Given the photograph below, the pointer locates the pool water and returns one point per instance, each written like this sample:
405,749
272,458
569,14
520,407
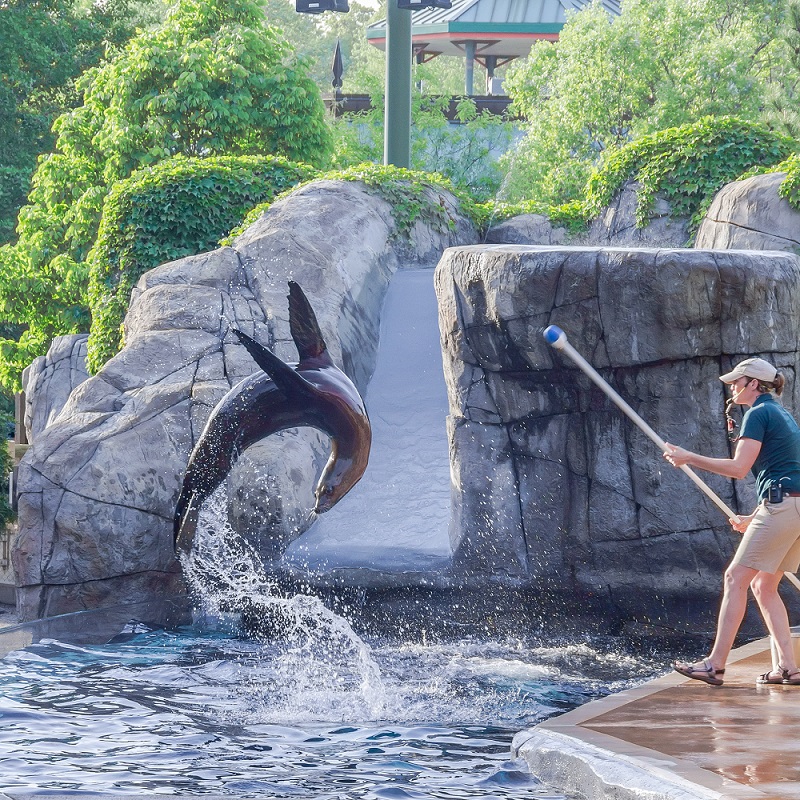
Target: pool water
208,711
298,706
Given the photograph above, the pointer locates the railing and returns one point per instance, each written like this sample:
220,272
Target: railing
339,104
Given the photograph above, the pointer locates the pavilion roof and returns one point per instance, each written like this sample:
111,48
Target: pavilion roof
505,28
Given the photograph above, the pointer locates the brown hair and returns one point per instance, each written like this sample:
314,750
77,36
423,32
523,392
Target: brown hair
775,385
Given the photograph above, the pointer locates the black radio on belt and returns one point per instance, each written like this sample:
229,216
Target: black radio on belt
775,492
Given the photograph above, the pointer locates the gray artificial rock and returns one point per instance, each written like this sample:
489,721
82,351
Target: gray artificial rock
526,229
615,226
99,485
50,379
751,215
590,509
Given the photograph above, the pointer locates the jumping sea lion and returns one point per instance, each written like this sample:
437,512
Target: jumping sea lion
313,393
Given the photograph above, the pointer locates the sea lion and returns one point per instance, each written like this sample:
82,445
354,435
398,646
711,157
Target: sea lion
314,393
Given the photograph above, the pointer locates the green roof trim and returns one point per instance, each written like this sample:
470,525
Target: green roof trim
505,27
474,27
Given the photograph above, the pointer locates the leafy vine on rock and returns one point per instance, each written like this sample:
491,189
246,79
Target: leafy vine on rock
686,165
407,192
177,208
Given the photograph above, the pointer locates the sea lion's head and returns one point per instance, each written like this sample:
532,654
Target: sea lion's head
341,474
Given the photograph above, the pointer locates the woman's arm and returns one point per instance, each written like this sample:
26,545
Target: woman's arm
747,451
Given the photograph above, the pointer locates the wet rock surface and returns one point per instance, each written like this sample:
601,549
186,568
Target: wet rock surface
98,486
555,488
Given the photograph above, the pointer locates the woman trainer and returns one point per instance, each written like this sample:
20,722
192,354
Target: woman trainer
769,445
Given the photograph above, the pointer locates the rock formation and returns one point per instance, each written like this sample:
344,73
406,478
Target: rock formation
527,229
751,215
554,488
49,381
615,226
98,487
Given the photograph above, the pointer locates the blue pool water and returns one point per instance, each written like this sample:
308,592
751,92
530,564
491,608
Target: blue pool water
307,708
208,711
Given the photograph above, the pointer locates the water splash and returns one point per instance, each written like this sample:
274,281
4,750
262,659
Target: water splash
312,665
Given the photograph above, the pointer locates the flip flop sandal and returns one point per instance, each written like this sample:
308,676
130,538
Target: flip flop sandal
792,679
707,674
769,678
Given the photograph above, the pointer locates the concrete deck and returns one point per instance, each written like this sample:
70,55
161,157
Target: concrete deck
677,739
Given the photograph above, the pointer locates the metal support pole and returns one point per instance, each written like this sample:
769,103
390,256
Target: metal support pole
491,65
397,119
469,72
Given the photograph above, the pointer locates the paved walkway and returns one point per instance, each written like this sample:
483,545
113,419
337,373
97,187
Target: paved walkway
677,738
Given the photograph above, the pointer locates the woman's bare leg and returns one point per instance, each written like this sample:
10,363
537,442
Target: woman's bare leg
765,589
731,613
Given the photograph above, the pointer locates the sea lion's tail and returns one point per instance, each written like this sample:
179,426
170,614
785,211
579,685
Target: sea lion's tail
185,522
303,325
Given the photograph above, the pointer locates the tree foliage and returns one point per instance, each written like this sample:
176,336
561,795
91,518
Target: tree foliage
687,165
609,80
783,100
212,79
314,37
44,46
465,153
177,208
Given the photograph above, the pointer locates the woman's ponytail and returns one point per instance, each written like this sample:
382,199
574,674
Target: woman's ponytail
775,385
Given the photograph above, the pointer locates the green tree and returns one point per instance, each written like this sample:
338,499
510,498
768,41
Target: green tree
609,80
44,46
314,37
783,102
212,79
465,153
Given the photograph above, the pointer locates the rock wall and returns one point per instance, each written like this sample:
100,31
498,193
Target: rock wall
751,215
98,486
49,381
615,226
553,487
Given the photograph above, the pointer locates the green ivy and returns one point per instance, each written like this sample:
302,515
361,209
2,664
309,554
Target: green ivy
790,187
177,208
686,165
571,216
405,190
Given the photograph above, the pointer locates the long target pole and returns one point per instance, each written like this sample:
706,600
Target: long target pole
558,339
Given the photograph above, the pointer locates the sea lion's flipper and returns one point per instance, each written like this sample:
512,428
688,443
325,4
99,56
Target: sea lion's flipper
303,324
285,377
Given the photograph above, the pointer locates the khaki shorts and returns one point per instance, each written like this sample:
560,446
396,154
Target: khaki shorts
772,540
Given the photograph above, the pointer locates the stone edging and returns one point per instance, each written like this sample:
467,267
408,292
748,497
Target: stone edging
571,758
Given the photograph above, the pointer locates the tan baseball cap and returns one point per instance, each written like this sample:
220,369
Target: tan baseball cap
752,368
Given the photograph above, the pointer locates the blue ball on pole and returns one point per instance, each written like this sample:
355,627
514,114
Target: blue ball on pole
552,333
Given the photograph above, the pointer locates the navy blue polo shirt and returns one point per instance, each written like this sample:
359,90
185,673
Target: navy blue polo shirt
768,422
